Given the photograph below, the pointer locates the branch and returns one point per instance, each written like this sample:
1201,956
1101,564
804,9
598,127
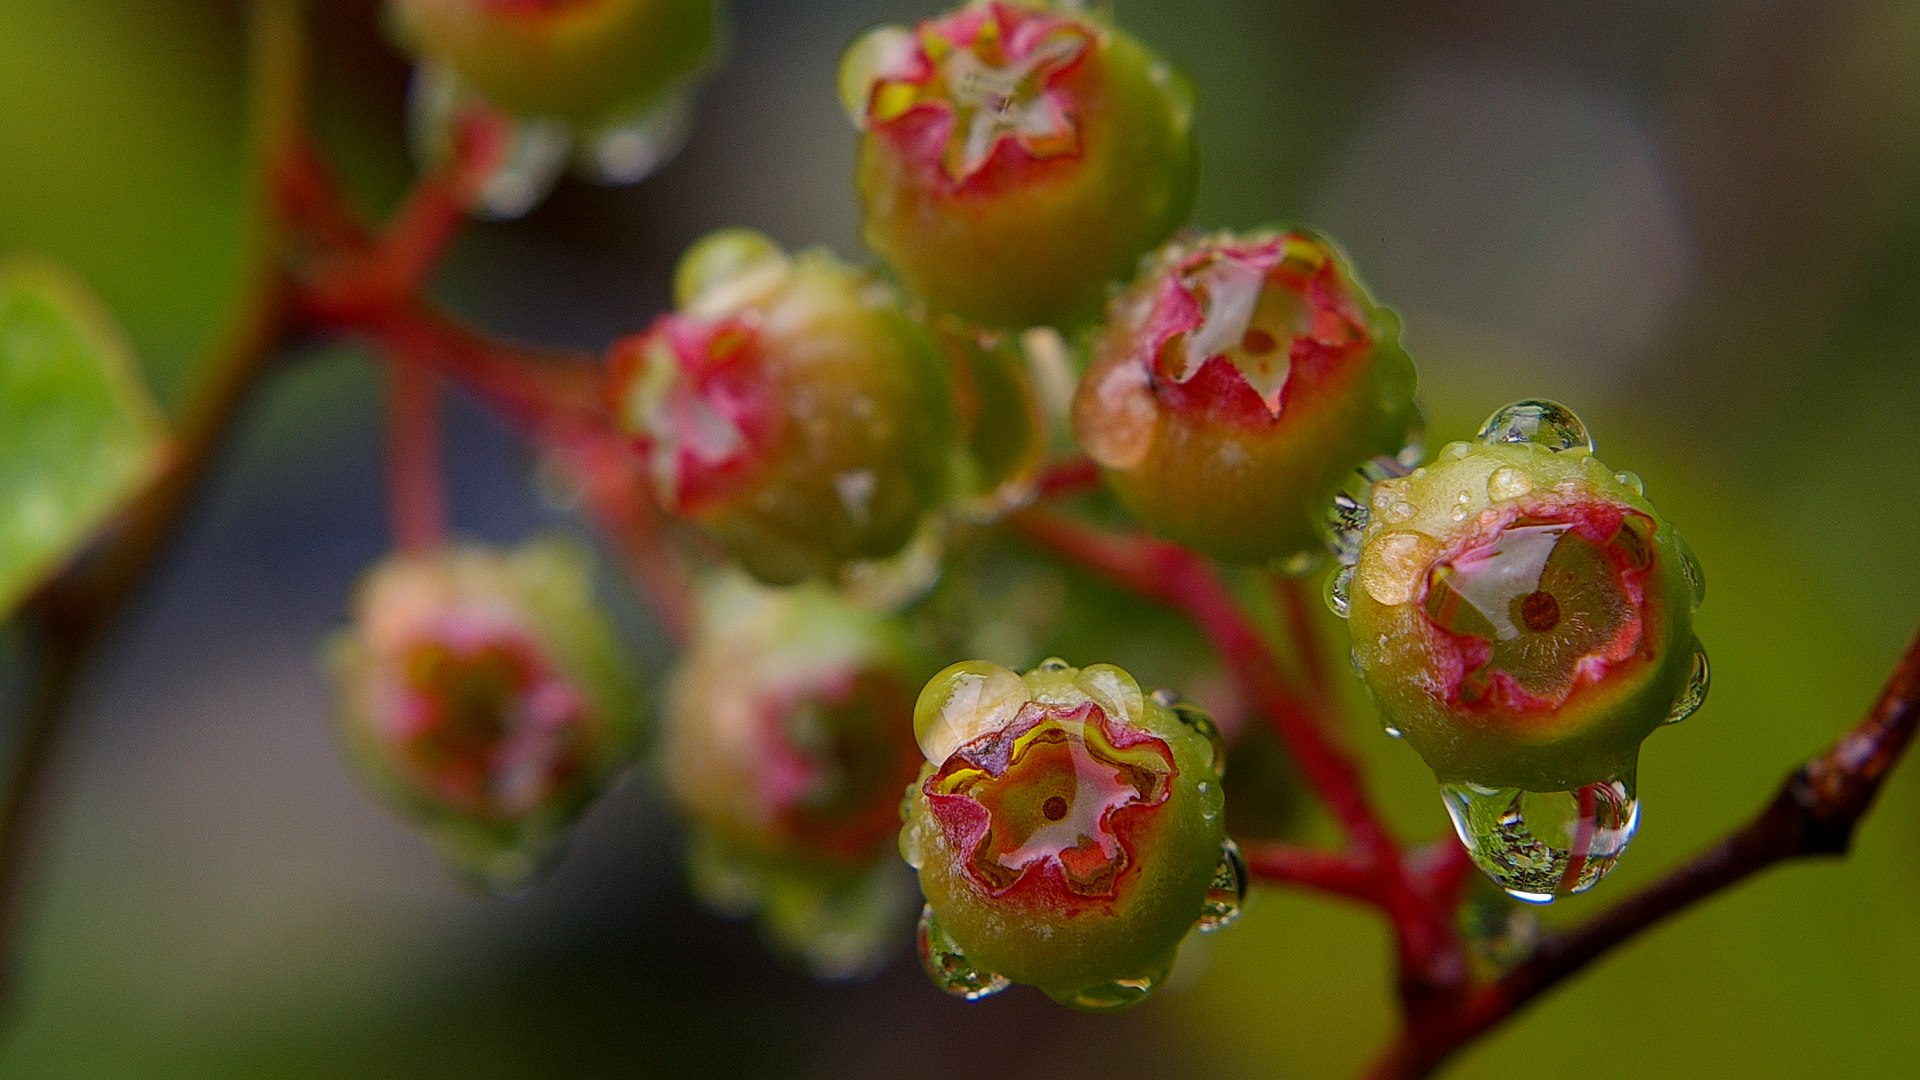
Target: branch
1816,812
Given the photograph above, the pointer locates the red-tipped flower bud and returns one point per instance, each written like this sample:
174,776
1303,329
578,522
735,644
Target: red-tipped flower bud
1524,616
483,693
790,406
1017,158
1237,385
1068,830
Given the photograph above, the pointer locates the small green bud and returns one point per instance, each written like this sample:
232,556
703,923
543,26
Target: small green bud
1236,385
483,693
1068,831
791,406
1016,158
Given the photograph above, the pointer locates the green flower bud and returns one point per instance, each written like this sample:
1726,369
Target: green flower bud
1016,158
1068,831
485,696
788,738
1524,617
1237,385
790,406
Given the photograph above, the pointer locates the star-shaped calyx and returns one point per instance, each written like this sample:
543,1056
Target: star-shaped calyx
1055,795
991,75
1270,309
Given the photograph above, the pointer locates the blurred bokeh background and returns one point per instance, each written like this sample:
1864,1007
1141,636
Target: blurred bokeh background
1698,223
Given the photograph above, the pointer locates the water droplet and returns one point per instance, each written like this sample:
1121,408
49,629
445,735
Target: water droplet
1107,997
1346,525
1199,720
1508,482
1053,663
1340,592
1227,893
949,968
1456,450
628,151
1542,845
1696,577
1698,679
1394,732
1543,423
1631,481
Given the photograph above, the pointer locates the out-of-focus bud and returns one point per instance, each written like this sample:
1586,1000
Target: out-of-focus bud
790,406
486,697
789,735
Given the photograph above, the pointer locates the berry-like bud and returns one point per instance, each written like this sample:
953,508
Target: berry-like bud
483,693
1068,830
1237,385
522,85
1524,617
1017,158
790,406
789,734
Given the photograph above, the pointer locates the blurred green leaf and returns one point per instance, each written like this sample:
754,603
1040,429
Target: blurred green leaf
79,433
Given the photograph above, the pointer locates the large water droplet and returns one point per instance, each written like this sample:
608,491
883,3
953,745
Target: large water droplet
1543,423
1340,592
1227,893
1199,720
1346,527
949,968
1699,676
1541,845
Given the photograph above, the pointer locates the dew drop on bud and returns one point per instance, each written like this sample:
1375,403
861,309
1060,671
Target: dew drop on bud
1339,592
1053,663
1393,732
1227,893
1199,720
1542,845
1698,678
1631,481
1543,423
949,968
1107,997
1696,578
1507,483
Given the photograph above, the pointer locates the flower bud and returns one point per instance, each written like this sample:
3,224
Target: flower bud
790,406
1524,617
1015,158
1235,387
1068,831
484,695
788,739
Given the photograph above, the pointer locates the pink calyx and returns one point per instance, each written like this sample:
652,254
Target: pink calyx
1050,807
983,93
692,393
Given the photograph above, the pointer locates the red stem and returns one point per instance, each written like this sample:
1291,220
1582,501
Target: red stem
1332,872
1297,603
415,484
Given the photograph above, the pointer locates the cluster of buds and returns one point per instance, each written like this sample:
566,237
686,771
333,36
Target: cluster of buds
1016,157
1524,618
791,406
1068,830
483,693
788,738
1237,385
521,86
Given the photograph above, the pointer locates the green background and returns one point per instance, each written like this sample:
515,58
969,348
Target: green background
1695,223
